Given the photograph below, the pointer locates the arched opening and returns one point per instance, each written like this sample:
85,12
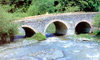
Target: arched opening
56,28
28,31
82,28
24,32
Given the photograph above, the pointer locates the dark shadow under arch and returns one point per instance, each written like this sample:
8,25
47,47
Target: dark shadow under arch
82,28
28,32
60,28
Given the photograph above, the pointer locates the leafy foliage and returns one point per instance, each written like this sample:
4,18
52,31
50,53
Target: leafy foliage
96,32
6,26
37,7
17,5
72,9
41,7
83,5
33,10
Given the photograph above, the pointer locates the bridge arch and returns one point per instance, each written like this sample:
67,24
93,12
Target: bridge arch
60,26
29,31
83,27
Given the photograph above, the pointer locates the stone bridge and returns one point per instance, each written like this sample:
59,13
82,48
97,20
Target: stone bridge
66,23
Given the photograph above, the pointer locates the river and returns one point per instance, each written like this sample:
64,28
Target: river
55,48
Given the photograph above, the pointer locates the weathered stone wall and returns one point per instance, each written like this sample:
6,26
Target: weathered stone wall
40,24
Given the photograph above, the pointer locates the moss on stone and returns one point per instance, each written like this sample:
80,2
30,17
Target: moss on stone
39,37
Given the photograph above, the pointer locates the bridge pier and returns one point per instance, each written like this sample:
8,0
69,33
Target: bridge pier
70,32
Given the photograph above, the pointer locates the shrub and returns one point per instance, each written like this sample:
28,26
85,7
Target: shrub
39,36
7,27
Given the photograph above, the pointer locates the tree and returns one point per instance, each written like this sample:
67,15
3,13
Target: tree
41,7
83,5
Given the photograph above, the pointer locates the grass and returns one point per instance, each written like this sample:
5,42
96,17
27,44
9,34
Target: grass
37,36
89,36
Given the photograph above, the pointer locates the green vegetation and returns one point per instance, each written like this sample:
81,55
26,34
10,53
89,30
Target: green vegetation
20,33
97,24
13,16
96,32
16,9
89,36
97,20
51,28
39,37
38,7
23,8
7,28
77,5
72,9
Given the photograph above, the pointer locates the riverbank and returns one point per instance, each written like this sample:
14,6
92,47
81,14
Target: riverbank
17,44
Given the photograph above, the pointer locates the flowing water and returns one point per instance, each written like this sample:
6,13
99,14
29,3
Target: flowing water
55,48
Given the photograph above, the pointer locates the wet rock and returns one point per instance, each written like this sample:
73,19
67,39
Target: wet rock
25,42
86,39
17,44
